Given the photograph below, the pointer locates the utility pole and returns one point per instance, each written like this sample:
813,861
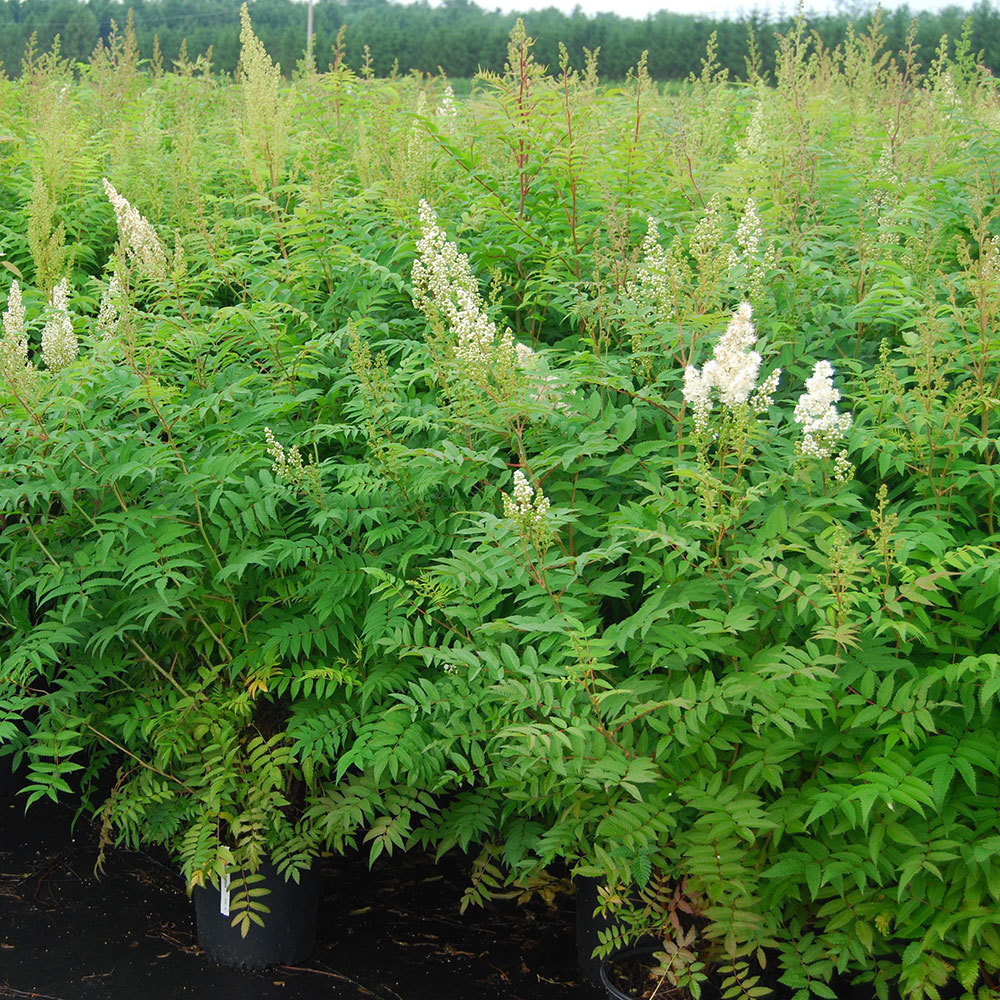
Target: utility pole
309,29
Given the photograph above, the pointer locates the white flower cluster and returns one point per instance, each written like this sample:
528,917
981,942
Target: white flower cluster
707,236
287,465
110,312
527,508
946,91
652,273
14,364
447,108
59,344
752,144
15,315
989,261
527,357
763,399
138,236
750,255
816,411
731,372
884,174
749,234
446,287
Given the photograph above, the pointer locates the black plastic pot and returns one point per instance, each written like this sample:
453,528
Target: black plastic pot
614,993
588,927
289,931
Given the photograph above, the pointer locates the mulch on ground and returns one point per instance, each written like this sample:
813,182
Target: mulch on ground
390,933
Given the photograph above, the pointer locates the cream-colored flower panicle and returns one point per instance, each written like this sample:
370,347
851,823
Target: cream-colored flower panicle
750,257
59,344
447,108
731,372
138,236
752,144
110,312
749,234
816,411
652,275
15,367
288,465
15,316
446,290
528,508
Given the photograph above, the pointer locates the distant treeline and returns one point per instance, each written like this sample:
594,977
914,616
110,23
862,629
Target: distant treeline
458,36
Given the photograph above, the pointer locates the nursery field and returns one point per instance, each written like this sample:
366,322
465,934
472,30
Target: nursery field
562,481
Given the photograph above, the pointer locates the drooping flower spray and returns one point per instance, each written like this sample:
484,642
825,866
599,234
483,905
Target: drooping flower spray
139,239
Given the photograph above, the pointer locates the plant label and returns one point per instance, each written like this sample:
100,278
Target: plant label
224,895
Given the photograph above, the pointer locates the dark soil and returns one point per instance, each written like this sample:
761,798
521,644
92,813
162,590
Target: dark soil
392,933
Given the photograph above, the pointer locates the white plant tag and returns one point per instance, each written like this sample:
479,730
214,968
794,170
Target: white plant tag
224,895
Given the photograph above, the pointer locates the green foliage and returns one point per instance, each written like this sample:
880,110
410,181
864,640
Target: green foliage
333,537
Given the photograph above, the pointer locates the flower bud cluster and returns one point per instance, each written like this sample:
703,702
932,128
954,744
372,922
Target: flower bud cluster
707,236
528,509
288,465
816,411
138,236
884,175
59,343
731,372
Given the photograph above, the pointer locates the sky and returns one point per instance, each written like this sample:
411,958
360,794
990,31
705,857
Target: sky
711,8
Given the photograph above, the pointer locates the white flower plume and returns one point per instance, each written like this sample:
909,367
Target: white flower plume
816,411
731,372
446,287
138,236
59,344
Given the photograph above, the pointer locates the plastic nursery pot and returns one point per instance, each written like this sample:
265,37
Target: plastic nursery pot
289,931
610,982
588,927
